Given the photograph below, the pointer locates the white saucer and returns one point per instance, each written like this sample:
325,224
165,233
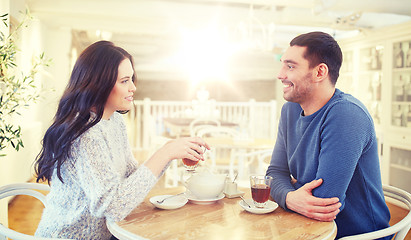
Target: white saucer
195,200
269,207
170,203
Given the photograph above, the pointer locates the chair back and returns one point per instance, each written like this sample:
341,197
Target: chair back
253,162
200,123
401,228
219,155
218,131
263,158
30,189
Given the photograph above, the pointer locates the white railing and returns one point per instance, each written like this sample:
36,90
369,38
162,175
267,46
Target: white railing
258,119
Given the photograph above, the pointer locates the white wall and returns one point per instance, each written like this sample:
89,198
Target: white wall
56,44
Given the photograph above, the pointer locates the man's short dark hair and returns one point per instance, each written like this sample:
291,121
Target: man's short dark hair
321,48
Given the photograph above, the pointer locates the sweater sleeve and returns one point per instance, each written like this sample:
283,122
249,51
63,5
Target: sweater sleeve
110,193
131,162
278,168
346,133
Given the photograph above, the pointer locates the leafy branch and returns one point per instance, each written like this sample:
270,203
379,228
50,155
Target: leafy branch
17,89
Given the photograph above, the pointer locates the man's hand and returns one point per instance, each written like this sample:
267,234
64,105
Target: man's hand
303,202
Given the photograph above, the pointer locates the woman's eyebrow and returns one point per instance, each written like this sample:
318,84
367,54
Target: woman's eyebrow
125,77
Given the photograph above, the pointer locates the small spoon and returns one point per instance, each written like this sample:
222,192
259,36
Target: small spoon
161,201
245,201
235,177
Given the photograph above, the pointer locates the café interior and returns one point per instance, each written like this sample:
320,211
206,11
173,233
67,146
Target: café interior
209,68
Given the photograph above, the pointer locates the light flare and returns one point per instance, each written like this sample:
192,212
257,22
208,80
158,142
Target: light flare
205,54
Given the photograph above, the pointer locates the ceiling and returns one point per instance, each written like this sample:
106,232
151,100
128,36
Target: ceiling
165,34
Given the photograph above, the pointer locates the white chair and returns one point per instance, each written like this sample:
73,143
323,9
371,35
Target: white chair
263,160
156,141
29,189
219,154
200,123
401,228
218,131
248,163
173,172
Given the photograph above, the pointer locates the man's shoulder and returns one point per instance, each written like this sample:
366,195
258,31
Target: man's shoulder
344,99
348,105
340,95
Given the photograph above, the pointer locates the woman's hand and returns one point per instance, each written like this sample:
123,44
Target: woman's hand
190,147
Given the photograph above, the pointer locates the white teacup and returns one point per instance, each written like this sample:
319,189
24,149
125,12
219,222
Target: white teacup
206,185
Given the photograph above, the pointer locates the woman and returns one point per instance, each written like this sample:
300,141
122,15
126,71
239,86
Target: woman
86,157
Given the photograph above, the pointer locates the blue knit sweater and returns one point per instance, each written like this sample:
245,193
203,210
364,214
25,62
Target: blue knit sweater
338,144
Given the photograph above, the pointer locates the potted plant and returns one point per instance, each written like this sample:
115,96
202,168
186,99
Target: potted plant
17,89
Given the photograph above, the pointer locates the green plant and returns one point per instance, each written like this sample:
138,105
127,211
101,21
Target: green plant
17,89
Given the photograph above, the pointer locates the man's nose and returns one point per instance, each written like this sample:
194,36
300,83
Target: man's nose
281,75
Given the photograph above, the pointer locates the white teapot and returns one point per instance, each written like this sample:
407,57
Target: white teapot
205,184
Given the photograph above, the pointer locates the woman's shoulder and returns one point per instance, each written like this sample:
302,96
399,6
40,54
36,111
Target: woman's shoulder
103,129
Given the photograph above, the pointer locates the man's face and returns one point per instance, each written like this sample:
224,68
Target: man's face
296,75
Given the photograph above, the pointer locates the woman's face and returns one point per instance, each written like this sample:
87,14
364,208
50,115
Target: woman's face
121,96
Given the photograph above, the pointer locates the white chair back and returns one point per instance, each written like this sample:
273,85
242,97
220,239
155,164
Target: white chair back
401,228
218,131
253,162
200,123
219,155
29,189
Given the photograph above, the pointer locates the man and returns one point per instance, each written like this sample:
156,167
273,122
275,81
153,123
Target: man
325,162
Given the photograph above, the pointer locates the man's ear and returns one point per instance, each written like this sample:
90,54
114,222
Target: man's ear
321,72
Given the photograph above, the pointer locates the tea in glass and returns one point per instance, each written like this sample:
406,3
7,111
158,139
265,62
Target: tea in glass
190,164
260,189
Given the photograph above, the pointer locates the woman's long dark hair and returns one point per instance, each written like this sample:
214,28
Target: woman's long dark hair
92,79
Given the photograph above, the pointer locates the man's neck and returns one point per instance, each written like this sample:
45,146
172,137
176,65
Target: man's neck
318,100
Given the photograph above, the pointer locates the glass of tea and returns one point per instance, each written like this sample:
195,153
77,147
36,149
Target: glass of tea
189,164
260,189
